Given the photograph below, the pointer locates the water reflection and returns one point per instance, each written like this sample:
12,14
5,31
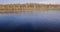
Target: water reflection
31,21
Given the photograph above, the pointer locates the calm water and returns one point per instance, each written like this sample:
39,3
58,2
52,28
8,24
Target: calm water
37,21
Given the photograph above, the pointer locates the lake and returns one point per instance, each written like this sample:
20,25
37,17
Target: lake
35,21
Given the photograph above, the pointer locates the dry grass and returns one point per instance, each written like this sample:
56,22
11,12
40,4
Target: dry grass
12,8
26,9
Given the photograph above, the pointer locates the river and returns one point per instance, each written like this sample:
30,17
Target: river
36,21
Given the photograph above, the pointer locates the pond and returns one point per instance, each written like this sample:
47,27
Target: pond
35,21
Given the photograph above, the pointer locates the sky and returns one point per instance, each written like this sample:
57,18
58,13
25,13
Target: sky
29,1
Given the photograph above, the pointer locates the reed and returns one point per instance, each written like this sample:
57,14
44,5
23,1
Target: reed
28,7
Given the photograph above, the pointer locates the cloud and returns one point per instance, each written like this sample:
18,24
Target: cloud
52,1
49,2
42,1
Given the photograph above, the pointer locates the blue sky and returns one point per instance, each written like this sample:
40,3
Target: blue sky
29,1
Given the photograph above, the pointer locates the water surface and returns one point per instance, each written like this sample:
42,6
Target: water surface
42,21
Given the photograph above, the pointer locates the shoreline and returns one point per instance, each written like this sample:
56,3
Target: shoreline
19,11
16,8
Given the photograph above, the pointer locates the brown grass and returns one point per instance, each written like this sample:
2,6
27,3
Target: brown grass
15,8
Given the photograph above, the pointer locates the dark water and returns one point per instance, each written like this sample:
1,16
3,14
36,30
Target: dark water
37,21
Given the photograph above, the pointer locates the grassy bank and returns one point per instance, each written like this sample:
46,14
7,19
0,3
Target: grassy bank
26,10
15,8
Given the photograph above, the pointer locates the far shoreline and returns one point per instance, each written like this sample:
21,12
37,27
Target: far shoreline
17,8
19,11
